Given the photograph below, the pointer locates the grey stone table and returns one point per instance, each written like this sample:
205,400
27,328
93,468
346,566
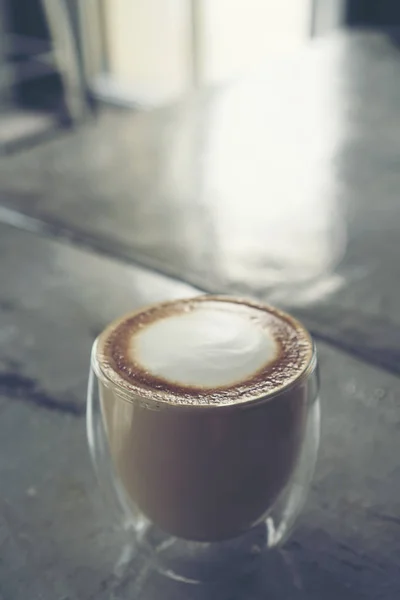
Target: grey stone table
283,186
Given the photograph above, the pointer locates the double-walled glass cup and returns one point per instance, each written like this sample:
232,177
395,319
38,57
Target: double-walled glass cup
205,490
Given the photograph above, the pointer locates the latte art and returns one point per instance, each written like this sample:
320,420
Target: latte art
206,350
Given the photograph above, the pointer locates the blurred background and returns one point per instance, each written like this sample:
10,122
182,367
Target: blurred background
214,188
58,58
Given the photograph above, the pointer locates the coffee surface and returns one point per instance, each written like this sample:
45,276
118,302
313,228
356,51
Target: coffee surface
206,350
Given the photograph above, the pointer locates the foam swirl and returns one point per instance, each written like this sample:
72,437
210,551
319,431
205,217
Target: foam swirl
206,347
207,350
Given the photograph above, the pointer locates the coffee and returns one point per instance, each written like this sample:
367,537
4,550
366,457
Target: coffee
204,402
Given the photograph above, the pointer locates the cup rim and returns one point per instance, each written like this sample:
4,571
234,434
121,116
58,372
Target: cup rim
133,393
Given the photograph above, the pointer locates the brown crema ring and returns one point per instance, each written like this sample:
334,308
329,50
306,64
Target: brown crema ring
120,368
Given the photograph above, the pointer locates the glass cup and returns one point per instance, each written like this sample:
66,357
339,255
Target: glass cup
204,491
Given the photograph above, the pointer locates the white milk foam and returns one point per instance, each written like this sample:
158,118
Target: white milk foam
212,345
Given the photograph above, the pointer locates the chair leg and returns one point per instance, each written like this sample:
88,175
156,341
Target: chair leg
67,59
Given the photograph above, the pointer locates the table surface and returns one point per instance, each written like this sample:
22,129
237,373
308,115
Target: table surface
284,186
